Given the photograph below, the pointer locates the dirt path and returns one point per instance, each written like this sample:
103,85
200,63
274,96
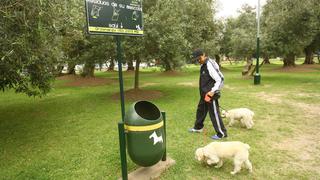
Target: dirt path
303,145
78,81
138,94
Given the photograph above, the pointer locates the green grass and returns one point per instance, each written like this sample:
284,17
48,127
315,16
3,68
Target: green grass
72,132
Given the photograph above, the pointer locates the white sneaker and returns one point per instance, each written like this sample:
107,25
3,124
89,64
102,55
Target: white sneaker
193,130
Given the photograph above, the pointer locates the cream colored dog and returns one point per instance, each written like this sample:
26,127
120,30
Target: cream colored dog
215,152
244,115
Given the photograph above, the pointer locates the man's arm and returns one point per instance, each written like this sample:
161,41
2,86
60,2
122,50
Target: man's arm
216,74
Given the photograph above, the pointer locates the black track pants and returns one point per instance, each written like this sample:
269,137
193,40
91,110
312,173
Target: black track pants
213,108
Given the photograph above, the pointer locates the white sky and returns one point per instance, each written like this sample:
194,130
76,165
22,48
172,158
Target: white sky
227,8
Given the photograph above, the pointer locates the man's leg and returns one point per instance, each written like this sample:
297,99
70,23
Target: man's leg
216,119
202,111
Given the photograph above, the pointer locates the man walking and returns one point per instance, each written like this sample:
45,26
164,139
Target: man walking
210,84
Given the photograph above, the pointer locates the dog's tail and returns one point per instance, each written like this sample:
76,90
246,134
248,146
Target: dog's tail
247,146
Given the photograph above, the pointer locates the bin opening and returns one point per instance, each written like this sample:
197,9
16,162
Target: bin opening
147,110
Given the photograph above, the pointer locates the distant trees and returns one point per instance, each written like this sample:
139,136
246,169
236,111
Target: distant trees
240,34
38,38
288,28
174,28
291,27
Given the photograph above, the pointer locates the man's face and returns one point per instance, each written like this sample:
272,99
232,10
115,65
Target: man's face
202,59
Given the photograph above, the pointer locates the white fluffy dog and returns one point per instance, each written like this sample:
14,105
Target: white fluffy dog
244,115
214,153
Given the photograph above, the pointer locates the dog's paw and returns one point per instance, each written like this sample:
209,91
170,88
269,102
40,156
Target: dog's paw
233,173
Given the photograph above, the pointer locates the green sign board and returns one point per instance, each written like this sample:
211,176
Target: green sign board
114,17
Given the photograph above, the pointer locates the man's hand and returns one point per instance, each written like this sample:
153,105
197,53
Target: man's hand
208,96
210,93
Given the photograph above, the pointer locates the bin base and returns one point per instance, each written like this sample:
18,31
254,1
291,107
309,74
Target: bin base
152,172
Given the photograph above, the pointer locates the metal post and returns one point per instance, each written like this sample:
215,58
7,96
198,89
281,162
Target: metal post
164,157
123,155
257,76
122,137
119,58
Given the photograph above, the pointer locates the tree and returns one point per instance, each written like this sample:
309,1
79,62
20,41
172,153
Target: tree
29,47
225,42
71,25
243,36
201,29
289,27
311,48
164,34
134,50
98,49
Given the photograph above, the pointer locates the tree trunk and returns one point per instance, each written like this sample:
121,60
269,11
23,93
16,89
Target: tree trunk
100,66
88,70
167,65
58,72
136,74
228,59
309,56
111,67
266,59
246,69
289,60
71,68
217,57
130,65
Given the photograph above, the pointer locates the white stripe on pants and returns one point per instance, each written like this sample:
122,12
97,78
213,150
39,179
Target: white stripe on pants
217,117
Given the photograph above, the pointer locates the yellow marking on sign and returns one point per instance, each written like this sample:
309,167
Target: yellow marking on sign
114,30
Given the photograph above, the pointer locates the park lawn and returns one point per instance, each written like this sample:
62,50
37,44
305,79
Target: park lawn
72,132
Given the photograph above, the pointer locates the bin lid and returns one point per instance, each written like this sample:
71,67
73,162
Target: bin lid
142,113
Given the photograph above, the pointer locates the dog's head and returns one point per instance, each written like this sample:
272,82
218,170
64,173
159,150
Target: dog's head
207,156
199,155
213,159
224,113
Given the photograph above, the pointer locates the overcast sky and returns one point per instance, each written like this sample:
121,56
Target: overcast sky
228,8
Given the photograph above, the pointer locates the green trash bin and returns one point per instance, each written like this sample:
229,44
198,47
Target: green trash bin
145,133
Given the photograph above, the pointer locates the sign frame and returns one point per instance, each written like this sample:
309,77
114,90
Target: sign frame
103,27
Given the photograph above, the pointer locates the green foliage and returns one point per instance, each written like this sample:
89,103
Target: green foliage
201,29
164,33
38,38
242,32
290,25
28,46
97,49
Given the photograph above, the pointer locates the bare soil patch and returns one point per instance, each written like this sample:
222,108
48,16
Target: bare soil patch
226,86
148,84
300,68
138,94
189,84
171,73
78,81
304,145
270,98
